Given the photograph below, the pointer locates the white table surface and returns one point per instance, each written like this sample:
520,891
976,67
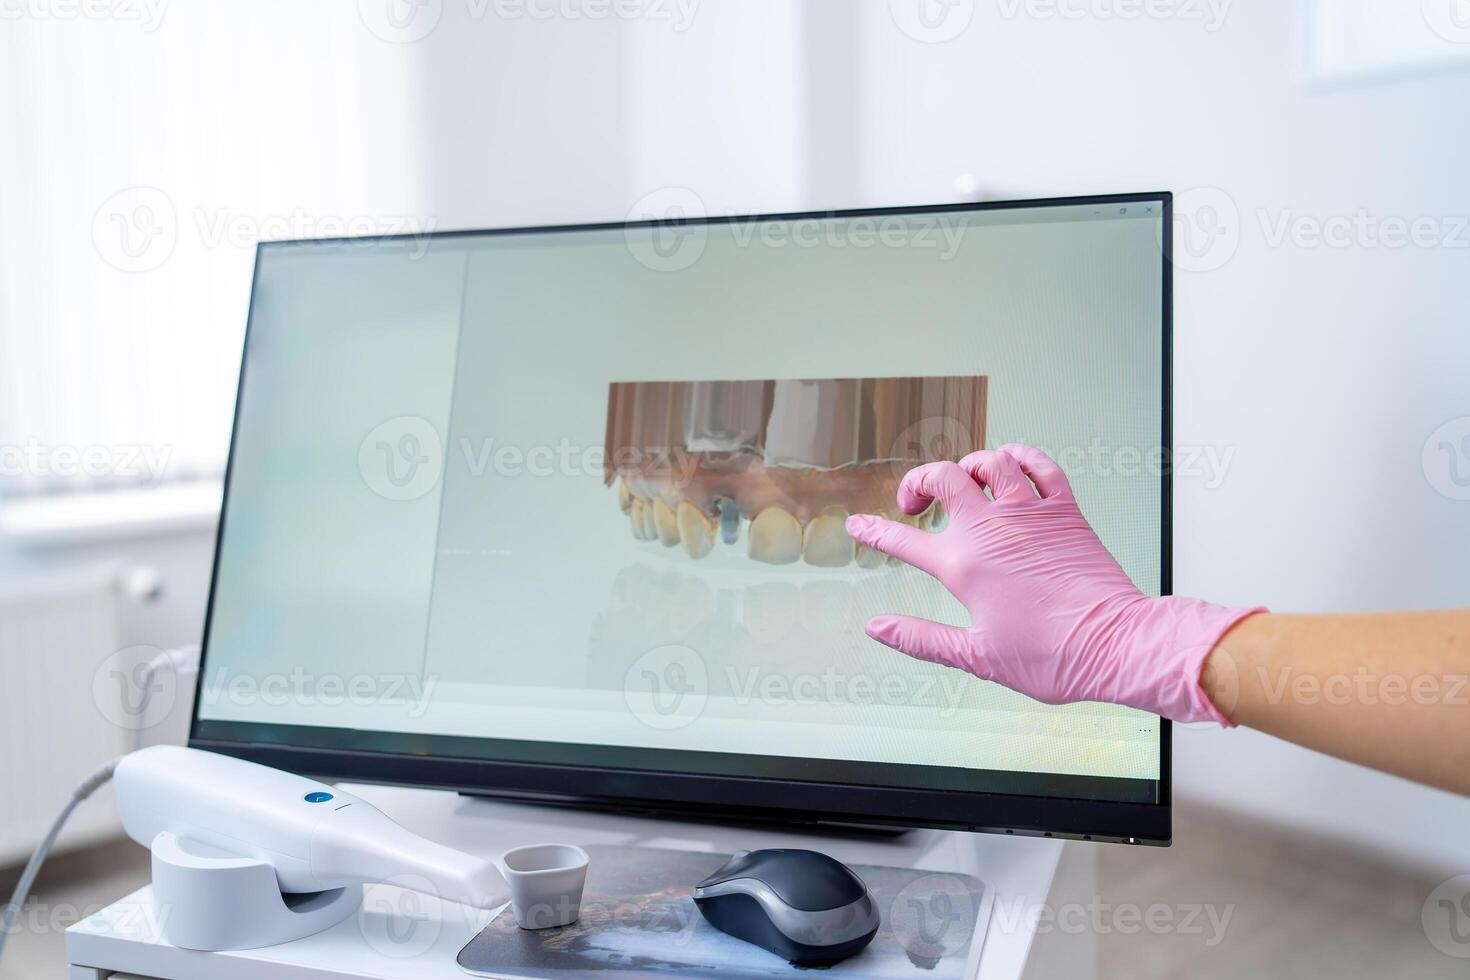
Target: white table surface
402,934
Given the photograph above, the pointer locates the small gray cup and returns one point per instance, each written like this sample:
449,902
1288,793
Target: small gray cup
545,883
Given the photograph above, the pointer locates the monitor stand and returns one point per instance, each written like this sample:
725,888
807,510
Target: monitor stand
791,822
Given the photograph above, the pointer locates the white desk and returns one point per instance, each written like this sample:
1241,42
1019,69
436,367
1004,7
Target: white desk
403,934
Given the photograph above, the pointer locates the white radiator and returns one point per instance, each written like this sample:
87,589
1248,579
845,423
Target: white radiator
64,706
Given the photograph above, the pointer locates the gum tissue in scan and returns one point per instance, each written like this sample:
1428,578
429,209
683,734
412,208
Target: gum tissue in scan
775,467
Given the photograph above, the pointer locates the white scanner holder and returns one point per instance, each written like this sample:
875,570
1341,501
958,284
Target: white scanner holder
209,899
247,856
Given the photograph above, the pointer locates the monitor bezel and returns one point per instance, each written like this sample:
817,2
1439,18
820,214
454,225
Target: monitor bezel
724,796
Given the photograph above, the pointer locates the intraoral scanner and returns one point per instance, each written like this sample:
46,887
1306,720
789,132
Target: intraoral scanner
245,855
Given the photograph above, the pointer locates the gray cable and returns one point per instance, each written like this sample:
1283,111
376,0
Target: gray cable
100,777
182,661
178,660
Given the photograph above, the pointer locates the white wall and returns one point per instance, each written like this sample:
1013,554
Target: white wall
1324,369
524,118
543,120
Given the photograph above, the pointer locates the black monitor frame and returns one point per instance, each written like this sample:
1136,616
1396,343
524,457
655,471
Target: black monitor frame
458,763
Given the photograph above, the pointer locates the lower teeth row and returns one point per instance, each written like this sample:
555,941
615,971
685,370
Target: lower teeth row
775,536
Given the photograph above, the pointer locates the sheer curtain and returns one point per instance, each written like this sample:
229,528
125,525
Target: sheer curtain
147,146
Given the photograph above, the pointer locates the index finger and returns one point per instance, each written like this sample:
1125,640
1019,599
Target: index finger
1042,469
944,481
1000,472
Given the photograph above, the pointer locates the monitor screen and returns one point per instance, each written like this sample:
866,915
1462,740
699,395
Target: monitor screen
571,501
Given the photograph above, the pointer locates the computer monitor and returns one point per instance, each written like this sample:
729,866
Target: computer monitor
556,513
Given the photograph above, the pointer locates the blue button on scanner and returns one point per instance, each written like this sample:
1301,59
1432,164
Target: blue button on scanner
317,797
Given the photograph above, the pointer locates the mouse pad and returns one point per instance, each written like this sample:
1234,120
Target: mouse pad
638,920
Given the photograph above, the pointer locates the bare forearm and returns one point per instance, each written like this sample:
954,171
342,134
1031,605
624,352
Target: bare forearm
1387,690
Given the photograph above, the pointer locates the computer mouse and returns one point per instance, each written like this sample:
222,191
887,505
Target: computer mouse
801,905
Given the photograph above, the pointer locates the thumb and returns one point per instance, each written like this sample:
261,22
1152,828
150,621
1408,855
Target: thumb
924,639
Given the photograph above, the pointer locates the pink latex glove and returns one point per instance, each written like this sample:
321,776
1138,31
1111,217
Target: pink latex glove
1052,614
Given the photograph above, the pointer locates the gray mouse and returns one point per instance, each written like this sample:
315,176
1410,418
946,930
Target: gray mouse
801,905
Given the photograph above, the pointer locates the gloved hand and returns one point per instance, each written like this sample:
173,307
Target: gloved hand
1053,615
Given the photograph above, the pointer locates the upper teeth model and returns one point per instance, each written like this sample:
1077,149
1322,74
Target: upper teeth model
703,464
